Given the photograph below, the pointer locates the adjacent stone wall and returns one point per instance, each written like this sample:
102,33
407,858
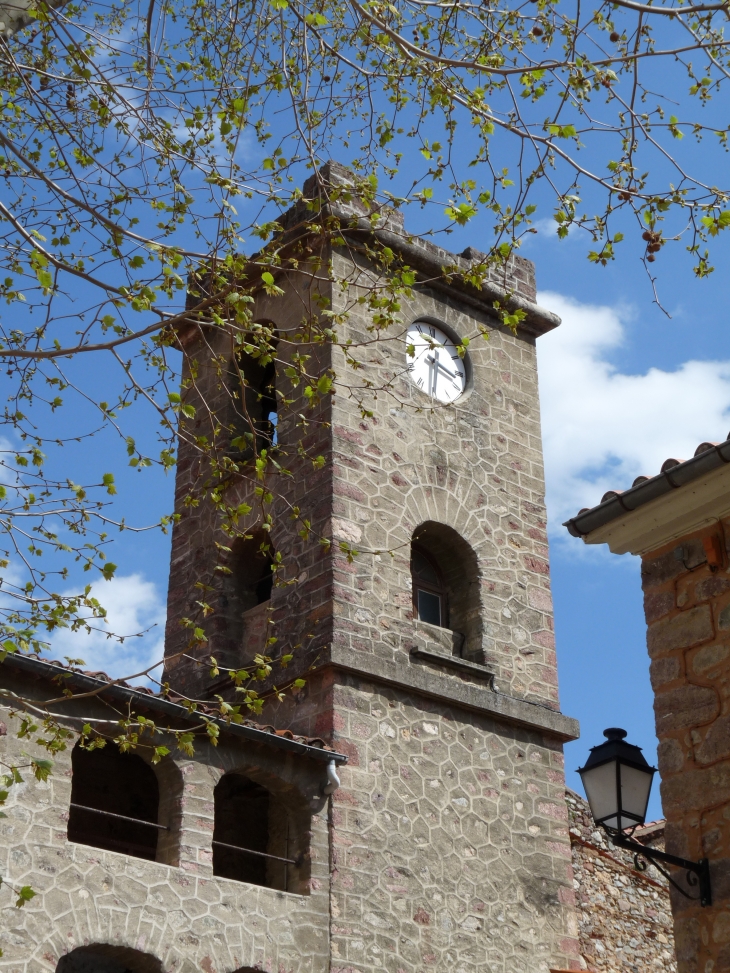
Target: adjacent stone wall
687,606
624,916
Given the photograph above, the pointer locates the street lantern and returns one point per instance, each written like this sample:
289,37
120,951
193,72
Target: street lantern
617,781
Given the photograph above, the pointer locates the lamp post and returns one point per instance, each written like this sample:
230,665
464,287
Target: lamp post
617,781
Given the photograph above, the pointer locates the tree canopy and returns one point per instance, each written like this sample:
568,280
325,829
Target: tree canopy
145,146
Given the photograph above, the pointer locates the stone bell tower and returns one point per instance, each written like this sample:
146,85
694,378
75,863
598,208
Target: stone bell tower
429,654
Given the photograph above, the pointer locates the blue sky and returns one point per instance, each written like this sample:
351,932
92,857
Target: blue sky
623,387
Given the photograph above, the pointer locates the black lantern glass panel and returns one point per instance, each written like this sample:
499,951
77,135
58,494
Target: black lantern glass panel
617,781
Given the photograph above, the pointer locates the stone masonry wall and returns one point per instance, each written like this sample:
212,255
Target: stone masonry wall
624,916
479,871
302,610
180,914
687,606
450,845
475,466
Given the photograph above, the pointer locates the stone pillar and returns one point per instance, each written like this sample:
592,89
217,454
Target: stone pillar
687,605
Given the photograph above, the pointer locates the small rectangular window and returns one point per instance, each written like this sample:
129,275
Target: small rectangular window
429,607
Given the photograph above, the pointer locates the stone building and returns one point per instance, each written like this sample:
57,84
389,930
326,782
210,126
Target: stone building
624,915
678,522
431,681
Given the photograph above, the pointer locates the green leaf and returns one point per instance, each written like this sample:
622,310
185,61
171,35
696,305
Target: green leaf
108,570
461,214
24,895
42,768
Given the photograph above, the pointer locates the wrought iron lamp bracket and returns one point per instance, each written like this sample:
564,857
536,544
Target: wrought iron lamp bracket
698,873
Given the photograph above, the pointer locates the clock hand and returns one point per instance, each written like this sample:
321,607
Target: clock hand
436,366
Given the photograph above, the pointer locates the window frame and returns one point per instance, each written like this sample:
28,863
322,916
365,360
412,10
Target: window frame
439,589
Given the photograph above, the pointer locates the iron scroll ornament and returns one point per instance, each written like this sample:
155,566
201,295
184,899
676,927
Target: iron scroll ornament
698,873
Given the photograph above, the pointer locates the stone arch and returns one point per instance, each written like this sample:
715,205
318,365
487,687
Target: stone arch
130,784
105,958
260,810
454,566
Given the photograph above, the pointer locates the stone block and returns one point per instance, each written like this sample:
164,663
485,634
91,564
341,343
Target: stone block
677,709
664,670
709,657
681,631
716,743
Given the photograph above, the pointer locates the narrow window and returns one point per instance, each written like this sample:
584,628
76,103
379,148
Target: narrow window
255,404
114,802
256,837
252,577
429,594
446,583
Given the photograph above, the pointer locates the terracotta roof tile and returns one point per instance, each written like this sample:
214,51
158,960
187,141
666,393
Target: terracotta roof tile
673,473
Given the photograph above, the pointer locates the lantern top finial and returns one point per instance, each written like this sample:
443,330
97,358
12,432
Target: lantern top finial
615,733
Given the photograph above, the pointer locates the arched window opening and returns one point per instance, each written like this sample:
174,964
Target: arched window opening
429,594
251,566
114,802
256,837
105,958
256,404
446,591
243,614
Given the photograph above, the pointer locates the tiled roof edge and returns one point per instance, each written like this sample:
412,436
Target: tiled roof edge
146,700
650,489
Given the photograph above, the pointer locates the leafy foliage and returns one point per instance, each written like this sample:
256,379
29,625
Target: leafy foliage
146,150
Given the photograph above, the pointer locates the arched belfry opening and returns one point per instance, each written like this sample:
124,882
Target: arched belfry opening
258,837
105,958
117,803
255,402
445,584
246,589
252,562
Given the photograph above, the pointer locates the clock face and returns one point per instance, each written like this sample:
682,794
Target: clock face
436,367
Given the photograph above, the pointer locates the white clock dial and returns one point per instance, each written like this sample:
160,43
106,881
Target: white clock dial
436,367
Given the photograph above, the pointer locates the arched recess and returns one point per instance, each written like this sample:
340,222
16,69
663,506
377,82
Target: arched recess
121,802
261,834
105,958
445,578
254,398
246,597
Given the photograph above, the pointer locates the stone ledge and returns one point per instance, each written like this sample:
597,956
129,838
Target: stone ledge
414,677
455,662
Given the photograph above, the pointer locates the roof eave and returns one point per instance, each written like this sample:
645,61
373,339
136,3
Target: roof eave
666,507
48,670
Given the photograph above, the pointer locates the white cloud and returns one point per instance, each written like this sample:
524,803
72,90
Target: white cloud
602,428
133,607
